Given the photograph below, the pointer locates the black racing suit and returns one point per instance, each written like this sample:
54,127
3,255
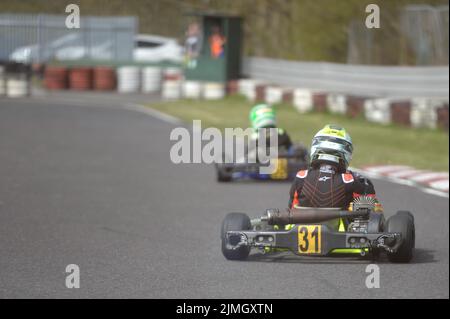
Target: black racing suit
327,186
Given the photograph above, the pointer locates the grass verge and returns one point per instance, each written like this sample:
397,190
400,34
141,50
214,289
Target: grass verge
373,143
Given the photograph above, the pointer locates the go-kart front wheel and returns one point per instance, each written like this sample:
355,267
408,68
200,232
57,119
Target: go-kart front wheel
223,175
402,222
235,221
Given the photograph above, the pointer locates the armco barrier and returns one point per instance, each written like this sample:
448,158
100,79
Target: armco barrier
380,81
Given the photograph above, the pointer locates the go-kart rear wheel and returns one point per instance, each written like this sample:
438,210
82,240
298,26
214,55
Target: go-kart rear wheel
235,221
406,213
402,222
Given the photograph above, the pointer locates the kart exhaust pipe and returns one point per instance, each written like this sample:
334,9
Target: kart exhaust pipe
307,215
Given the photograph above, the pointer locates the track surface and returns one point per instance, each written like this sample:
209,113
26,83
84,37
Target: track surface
94,186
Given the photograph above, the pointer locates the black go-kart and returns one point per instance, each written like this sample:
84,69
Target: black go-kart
315,232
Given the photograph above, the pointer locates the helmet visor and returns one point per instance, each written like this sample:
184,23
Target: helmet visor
332,143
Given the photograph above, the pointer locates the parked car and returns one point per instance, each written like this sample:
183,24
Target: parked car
102,51
29,53
148,48
153,48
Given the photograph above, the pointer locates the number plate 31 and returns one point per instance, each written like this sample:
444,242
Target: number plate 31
309,239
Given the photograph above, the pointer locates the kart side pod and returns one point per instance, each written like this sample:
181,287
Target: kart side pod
308,215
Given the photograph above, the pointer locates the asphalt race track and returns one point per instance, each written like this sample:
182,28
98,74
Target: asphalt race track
84,181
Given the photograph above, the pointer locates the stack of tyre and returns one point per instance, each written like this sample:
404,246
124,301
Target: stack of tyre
16,79
2,80
56,77
172,82
104,78
80,78
128,79
151,79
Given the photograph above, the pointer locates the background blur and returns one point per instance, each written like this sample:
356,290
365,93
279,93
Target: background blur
413,32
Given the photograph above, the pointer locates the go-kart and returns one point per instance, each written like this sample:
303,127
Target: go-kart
318,232
288,163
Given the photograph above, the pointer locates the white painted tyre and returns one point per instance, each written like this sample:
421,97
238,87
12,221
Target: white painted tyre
128,79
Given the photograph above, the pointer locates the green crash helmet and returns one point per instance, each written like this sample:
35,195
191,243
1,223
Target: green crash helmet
261,116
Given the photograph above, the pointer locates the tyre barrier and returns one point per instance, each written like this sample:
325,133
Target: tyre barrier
16,79
172,83
276,95
55,78
411,112
303,100
213,91
17,87
260,92
273,95
151,79
172,74
233,87
171,89
128,79
2,80
401,112
192,89
104,78
443,116
337,103
247,87
378,111
355,105
80,78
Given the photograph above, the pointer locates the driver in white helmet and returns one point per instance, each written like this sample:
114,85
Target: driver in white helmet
328,182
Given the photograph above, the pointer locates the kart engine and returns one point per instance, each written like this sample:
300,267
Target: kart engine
360,204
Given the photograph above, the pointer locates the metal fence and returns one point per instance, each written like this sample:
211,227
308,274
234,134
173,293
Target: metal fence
383,81
426,29
39,38
417,36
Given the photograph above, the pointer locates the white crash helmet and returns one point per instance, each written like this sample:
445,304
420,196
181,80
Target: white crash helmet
332,144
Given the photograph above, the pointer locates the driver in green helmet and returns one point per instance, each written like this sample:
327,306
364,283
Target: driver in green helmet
262,116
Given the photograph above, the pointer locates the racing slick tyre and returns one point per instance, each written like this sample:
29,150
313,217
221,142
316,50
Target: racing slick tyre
402,222
235,221
222,174
406,213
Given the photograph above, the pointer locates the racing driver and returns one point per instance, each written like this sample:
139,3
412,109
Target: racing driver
328,182
262,116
